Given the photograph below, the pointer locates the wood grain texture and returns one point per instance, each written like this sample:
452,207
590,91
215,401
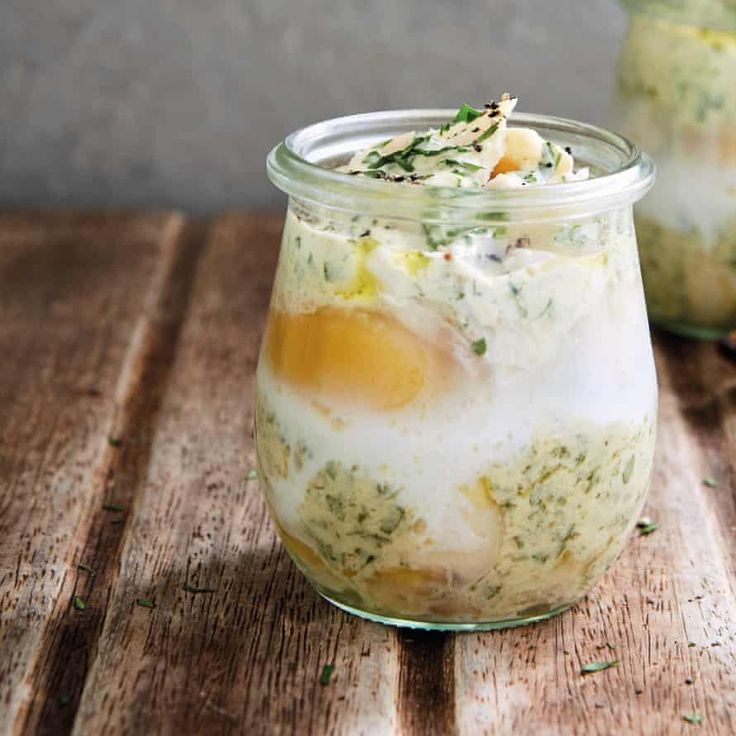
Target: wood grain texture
187,665
75,296
154,349
146,329
666,612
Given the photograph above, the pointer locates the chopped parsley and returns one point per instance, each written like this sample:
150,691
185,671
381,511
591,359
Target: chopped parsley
373,155
692,718
114,442
146,602
403,158
628,470
324,678
486,134
646,526
79,603
439,236
466,114
551,156
195,589
428,153
86,568
591,667
479,346
462,164
494,217
112,507
710,482
252,474
516,292
400,157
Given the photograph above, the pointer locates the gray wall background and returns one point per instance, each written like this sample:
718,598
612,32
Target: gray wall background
175,103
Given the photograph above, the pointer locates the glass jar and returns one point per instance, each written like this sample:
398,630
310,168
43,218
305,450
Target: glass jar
456,396
676,96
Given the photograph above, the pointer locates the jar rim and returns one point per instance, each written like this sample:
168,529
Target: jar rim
299,166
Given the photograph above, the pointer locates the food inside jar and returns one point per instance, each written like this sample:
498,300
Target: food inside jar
455,421
475,150
533,532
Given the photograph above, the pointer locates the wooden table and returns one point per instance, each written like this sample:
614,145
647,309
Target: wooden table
142,588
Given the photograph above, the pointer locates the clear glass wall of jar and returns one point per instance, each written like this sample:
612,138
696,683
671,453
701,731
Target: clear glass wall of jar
676,96
456,396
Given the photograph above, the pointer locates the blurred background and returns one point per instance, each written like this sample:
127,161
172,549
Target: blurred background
175,103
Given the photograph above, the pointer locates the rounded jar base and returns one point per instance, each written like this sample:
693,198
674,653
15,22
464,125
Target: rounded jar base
694,331
409,623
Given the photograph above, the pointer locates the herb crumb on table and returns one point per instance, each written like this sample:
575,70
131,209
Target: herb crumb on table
694,718
646,526
326,674
592,667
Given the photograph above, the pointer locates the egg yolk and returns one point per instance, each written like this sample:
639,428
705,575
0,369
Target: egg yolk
302,551
360,355
504,165
310,561
404,589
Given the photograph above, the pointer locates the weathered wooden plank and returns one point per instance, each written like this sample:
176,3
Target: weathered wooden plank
704,381
76,292
72,640
667,612
247,656
114,327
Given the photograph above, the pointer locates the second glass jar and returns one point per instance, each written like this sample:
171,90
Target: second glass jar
677,98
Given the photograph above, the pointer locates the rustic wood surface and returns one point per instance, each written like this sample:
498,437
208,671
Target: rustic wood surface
127,350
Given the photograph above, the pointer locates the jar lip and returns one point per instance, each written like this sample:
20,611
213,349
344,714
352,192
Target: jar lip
299,167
